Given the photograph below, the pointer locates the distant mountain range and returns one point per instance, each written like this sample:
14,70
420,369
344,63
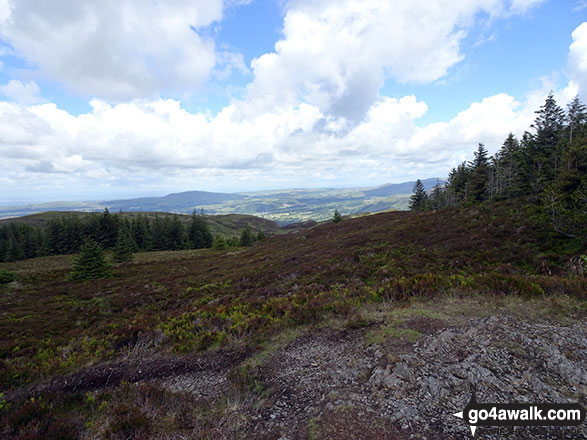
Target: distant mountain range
185,200
283,206
397,189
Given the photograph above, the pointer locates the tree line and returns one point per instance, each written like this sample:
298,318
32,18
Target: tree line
548,166
66,235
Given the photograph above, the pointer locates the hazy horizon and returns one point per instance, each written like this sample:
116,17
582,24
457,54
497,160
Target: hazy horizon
162,194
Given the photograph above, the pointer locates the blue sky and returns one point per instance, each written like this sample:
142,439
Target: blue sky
235,95
513,56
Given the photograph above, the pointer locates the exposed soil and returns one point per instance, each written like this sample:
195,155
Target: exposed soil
426,325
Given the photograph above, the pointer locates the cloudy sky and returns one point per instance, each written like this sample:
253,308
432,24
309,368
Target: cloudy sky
120,98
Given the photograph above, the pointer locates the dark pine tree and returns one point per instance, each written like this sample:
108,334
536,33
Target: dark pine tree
336,218
437,196
16,245
141,231
3,245
481,157
565,198
543,153
176,234
73,234
548,123
576,117
199,233
457,187
31,241
507,169
480,175
160,234
108,229
55,241
419,199
124,248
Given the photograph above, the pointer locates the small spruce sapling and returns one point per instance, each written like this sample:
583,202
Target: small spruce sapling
91,263
219,242
247,237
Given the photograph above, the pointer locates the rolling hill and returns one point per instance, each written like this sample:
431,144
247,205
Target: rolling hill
173,202
335,330
283,206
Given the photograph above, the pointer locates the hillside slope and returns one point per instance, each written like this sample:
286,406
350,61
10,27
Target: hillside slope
227,225
301,335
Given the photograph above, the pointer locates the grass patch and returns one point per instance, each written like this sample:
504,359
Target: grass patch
392,334
313,427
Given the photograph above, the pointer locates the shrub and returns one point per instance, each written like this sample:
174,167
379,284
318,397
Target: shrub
32,411
6,276
62,430
128,421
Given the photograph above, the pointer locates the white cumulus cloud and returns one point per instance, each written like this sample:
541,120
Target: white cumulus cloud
114,49
22,93
159,140
336,54
578,58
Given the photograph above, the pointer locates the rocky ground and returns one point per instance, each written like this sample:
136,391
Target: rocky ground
505,359
401,375
333,384
389,374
